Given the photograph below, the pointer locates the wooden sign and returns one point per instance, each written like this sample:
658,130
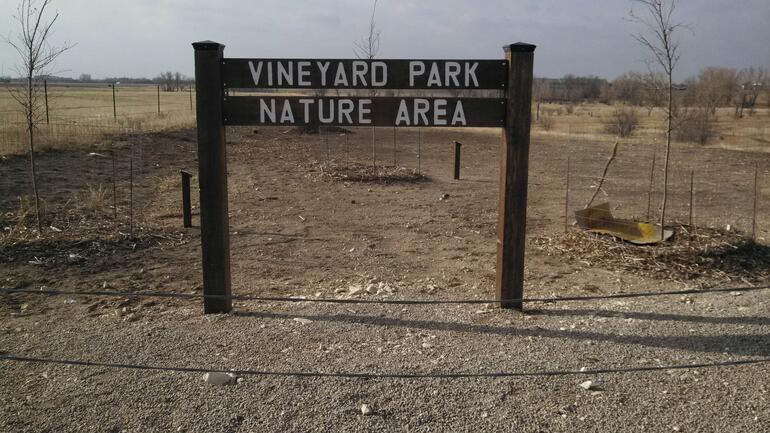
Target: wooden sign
215,74
454,112
364,74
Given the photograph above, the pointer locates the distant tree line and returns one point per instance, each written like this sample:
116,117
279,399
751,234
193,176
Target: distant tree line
168,81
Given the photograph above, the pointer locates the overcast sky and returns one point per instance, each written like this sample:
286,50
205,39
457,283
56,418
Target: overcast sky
584,37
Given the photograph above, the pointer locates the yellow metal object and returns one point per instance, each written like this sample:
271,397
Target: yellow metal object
599,219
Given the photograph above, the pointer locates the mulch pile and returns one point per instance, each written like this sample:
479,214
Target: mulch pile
355,172
694,253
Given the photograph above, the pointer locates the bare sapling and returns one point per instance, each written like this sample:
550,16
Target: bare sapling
37,56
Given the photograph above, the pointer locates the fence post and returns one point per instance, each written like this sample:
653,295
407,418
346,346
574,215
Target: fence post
186,203
190,92
514,170
458,145
45,92
212,177
158,99
114,108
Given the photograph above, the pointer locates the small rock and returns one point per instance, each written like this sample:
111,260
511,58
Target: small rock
302,320
444,197
590,385
355,289
366,409
216,378
736,293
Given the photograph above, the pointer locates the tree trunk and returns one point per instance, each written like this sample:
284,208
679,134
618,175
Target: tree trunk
669,119
31,142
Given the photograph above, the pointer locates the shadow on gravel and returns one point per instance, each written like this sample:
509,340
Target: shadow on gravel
736,344
736,320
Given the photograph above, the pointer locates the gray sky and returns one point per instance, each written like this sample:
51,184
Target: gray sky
145,37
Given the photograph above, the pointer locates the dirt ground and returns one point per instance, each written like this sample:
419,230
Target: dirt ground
298,230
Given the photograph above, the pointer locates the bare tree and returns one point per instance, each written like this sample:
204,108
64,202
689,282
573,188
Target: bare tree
750,82
658,38
369,46
37,58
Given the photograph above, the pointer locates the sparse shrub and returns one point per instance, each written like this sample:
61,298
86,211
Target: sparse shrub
696,125
547,122
94,199
622,122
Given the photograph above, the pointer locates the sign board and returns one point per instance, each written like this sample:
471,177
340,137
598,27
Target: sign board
457,112
364,74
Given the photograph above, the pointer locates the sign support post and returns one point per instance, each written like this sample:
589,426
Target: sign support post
212,175
514,166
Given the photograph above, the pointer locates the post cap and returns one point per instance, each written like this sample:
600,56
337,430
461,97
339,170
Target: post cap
207,45
519,47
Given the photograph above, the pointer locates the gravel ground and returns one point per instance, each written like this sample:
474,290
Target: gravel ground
390,339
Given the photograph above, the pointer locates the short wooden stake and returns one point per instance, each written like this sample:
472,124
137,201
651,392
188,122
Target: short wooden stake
458,145
514,172
212,177
186,202
158,100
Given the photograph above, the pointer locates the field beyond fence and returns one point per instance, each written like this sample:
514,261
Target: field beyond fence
83,114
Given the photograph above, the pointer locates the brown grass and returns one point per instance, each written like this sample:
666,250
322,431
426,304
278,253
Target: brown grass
83,115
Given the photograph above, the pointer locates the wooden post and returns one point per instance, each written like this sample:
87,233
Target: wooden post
190,92
186,202
566,198
114,108
212,177
514,169
158,99
458,145
756,199
45,93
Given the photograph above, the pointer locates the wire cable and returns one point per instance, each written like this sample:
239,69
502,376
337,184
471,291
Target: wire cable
57,292
353,375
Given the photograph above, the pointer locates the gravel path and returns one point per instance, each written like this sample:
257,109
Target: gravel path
389,339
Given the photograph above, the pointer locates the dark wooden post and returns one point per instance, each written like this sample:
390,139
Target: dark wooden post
159,100
114,108
190,92
45,93
186,203
212,176
514,167
458,145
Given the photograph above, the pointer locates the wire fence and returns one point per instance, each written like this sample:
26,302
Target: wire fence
398,375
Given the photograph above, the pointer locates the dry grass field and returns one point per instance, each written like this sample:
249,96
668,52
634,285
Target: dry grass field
306,222
83,114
